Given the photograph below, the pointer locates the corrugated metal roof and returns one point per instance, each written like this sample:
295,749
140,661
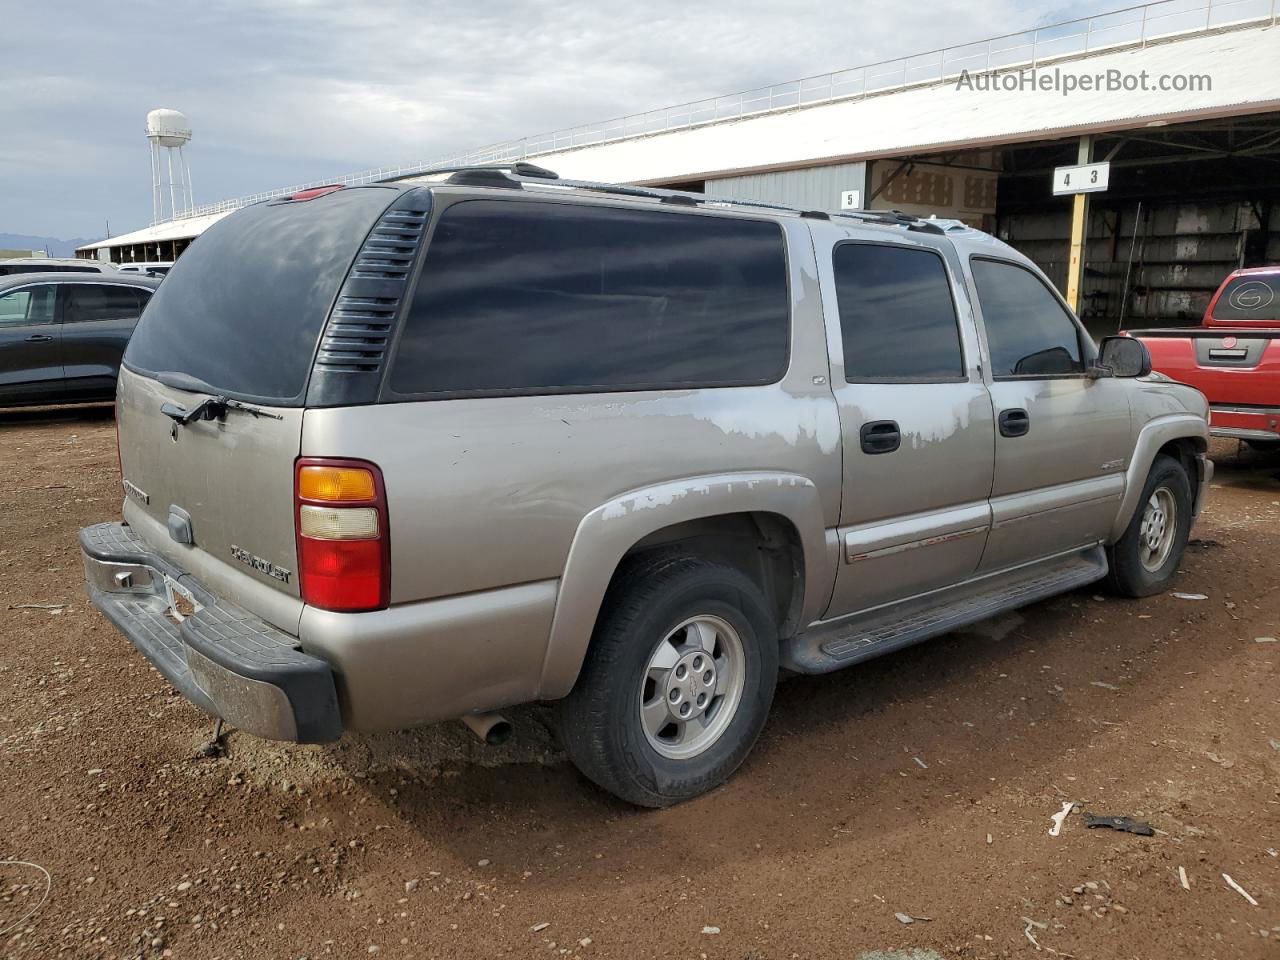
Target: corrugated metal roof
170,230
1241,63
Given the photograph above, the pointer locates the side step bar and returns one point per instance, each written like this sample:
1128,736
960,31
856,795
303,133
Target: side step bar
830,646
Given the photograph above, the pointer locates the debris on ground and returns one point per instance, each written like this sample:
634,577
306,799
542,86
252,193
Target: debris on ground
48,888
1060,817
906,918
710,931
1191,596
1027,930
1104,685
1264,639
1125,824
51,607
1239,889
539,927
1182,878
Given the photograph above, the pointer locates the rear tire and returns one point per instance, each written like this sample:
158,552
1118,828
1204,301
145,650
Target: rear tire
677,682
1144,560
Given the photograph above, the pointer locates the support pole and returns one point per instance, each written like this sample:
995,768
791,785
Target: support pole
1079,229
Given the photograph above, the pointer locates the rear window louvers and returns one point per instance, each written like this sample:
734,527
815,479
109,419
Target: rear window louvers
388,253
355,339
358,332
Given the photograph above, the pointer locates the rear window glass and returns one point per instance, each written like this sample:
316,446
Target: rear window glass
897,318
242,309
1250,298
548,297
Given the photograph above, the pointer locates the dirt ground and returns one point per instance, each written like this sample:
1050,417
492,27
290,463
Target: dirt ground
921,784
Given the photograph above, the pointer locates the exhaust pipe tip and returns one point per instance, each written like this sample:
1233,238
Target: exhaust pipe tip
491,728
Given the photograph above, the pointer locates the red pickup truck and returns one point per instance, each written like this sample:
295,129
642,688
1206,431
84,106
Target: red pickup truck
1233,358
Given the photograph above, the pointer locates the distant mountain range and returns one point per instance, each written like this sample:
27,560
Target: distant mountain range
56,247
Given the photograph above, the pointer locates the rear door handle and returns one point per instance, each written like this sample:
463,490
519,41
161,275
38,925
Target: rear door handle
38,338
880,436
1014,423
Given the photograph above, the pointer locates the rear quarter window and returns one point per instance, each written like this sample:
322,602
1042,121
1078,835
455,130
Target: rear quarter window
550,297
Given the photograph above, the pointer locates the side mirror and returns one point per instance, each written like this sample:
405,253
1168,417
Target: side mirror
1123,357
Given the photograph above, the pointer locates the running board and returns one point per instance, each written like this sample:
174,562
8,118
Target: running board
837,644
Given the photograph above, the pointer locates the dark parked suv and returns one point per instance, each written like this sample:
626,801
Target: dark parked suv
62,334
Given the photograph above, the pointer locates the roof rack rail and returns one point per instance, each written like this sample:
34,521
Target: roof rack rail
513,176
892,218
477,172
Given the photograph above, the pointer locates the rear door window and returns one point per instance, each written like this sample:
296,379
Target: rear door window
897,317
550,297
1029,332
90,301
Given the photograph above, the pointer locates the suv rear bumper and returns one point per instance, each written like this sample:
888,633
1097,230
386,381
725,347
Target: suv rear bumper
1245,423
223,659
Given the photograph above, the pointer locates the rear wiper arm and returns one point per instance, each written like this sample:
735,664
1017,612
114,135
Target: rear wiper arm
212,408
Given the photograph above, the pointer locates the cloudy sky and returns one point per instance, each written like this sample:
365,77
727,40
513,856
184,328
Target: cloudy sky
285,91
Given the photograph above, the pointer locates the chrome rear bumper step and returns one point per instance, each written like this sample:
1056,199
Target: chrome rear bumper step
222,658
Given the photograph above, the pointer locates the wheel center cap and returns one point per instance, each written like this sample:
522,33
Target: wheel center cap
690,685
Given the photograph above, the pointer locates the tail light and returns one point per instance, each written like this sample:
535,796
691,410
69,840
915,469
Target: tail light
344,547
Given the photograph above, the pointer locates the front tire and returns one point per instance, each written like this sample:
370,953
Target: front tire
1144,560
677,682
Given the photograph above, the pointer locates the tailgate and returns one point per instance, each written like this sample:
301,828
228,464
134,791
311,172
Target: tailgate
225,485
1228,366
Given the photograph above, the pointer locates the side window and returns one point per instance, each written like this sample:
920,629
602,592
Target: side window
1028,331
520,296
28,305
88,301
897,317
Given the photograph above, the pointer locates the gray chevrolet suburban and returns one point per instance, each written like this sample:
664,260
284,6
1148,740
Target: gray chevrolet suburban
413,451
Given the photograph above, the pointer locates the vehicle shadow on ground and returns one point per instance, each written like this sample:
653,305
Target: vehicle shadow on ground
1241,466
34,416
906,736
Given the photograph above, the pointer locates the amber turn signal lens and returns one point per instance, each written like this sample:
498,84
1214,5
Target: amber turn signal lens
336,484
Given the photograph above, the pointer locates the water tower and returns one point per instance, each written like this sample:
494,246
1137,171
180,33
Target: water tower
169,131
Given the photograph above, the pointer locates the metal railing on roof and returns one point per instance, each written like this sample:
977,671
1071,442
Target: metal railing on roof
1129,27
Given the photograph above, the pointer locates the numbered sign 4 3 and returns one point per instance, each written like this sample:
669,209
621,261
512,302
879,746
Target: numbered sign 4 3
1085,178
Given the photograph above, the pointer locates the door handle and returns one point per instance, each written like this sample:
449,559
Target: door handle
1014,423
880,436
38,338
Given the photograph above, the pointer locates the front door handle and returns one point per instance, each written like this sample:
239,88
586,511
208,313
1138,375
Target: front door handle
1014,423
38,338
880,436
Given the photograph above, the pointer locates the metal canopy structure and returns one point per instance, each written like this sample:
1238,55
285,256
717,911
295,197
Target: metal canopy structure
902,107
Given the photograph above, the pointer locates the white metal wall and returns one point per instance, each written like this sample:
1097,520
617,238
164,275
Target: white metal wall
817,188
